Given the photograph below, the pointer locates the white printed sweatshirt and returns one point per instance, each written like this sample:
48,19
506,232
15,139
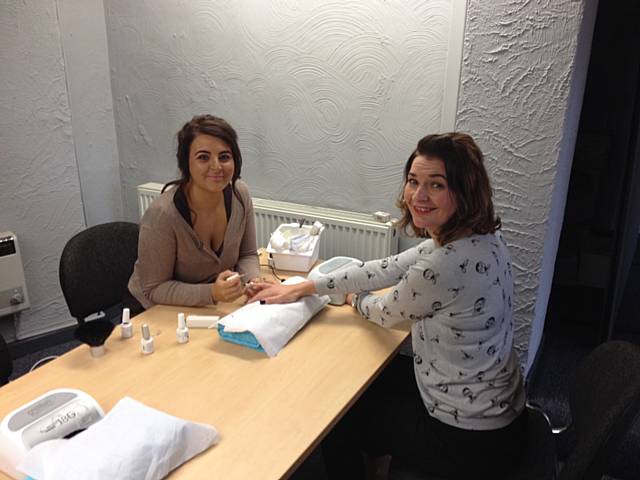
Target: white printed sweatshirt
459,299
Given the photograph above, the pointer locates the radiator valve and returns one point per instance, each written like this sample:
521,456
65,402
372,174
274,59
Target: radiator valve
16,299
382,217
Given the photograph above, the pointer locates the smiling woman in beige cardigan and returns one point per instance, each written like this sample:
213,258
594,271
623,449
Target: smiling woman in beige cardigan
201,229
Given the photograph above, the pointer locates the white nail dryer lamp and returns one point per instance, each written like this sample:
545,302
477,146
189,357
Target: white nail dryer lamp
56,414
332,268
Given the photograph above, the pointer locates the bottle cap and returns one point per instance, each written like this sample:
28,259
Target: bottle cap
97,351
125,315
182,323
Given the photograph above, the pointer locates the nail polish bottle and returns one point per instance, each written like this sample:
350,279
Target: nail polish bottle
147,340
182,332
126,327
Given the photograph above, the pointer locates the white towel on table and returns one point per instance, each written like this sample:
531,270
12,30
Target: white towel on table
132,442
274,325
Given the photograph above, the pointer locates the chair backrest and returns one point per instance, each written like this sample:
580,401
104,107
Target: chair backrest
6,364
95,267
604,399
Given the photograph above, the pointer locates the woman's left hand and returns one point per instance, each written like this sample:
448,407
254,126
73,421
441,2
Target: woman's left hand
255,285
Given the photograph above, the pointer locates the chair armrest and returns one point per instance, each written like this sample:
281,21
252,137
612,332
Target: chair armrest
556,430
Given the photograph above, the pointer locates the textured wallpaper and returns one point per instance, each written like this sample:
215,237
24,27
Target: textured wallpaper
515,91
329,98
39,189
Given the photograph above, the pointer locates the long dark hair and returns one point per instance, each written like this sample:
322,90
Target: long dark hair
468,181
208,125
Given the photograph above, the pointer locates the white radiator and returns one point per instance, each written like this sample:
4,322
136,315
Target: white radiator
346,233
147,192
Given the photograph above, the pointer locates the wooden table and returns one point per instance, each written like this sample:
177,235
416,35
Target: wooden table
271,412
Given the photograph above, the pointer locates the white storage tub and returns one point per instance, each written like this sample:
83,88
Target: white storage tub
294,261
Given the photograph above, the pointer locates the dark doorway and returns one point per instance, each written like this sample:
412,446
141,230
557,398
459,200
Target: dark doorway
595,293
592,297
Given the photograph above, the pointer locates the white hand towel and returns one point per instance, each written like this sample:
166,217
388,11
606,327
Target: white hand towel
274,325
131,442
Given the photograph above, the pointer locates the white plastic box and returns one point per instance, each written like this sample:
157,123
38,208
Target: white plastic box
293,261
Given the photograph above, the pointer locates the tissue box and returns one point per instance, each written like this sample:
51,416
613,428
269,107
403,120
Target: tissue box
293,261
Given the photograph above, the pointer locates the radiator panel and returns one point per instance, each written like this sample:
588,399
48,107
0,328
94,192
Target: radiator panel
346,233
147,193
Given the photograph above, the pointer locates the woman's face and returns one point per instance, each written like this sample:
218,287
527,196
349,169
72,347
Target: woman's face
210,163
427,194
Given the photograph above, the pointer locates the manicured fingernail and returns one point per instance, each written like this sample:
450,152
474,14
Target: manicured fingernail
262,302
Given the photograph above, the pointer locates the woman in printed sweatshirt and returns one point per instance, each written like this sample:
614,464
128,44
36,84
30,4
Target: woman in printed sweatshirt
459,412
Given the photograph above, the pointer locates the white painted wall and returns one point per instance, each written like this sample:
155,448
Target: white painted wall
86,59
328,97
521,91
39,188
58,145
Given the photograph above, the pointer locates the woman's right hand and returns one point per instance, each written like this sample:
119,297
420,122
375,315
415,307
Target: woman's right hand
224,290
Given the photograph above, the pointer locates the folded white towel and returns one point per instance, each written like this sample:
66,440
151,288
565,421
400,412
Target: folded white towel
292,238
132,441
274,325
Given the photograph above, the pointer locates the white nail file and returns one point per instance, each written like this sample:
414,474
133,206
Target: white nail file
202,321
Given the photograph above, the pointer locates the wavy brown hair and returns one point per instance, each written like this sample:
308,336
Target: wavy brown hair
468,183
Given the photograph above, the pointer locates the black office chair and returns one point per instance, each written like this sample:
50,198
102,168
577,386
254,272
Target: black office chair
95,267
604,399
6,364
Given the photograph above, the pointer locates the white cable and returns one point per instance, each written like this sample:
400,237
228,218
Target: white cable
41,361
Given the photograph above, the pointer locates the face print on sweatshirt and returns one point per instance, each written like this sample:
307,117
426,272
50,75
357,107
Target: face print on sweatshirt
467,393
430,276
482,268
417,358
478,306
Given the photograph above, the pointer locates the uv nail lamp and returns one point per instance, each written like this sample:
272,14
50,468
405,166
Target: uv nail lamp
332,268
58,413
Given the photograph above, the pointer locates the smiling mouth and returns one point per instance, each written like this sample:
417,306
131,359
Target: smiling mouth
423,210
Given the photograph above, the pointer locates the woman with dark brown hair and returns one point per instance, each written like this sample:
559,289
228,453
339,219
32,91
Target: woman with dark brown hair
201,230
459,414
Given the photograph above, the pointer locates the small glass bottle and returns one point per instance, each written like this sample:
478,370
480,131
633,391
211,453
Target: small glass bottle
182,332
126,327
147,340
